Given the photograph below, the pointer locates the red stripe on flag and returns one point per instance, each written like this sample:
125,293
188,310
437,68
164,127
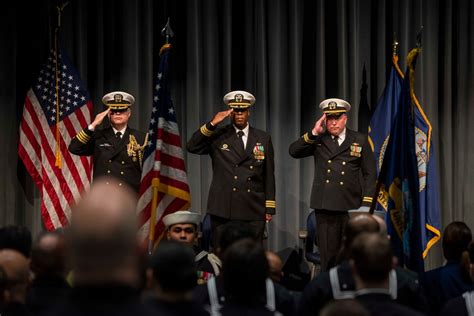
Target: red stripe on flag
168,138
172,161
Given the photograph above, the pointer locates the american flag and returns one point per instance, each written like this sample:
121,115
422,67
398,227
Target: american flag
163,159
56,108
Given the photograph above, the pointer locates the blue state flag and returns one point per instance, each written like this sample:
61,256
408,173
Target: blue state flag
407,182
385,112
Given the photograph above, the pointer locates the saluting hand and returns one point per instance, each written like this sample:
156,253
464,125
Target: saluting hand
319,126
220,116
99,118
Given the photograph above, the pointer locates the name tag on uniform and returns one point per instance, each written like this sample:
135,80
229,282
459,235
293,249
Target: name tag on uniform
105,145
259,151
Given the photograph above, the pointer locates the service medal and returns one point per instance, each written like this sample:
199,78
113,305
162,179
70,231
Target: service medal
356,150
259,151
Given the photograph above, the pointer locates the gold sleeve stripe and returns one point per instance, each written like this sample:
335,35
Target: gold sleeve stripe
307,139
83,137
367,199
205,131
270,204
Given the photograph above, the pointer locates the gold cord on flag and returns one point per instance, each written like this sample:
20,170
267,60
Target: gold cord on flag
58,162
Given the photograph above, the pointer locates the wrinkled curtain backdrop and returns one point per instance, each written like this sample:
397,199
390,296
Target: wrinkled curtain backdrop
291,54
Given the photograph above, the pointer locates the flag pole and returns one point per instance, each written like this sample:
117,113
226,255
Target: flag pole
167,32
378,184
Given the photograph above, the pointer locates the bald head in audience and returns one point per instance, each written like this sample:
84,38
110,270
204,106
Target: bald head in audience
275,266
355,226
16,267
102,235
48,255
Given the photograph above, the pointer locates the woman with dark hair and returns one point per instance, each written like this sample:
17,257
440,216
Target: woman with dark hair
450,280
463,305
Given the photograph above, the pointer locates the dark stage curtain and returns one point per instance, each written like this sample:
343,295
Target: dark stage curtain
291,54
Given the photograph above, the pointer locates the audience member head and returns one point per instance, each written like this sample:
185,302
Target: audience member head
48,258
355,226
16,267
174,271
16,237
232,232
346,307
457,237
102,236
244,271
275,266
371,260
182,226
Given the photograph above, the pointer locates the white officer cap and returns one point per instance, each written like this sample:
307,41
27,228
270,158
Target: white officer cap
118,100
239,99
334,106
182,217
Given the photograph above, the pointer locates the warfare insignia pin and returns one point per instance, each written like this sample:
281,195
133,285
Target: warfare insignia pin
225,147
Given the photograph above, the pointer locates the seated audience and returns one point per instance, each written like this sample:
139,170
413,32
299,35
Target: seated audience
231,233
338,283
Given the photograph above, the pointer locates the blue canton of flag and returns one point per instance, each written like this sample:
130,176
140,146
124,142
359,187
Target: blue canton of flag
72,92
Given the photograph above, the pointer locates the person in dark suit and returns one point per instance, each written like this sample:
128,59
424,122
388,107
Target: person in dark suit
118,149
372,262
243,183
344,175
102,253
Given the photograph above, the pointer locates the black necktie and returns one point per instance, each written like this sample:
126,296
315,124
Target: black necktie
240,134
118,138
335,143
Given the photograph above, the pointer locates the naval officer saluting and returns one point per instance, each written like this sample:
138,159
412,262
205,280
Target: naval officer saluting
243,182
118,149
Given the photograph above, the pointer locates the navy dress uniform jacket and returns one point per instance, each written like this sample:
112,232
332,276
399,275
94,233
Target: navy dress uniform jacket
243,183
344,178
120,158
